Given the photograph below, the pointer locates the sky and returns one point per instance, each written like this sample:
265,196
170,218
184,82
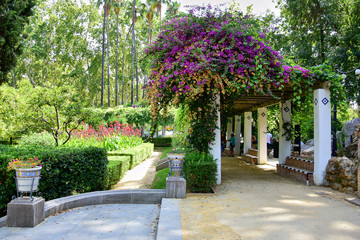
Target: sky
259,6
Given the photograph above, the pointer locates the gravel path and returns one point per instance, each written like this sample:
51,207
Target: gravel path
253,202
141,176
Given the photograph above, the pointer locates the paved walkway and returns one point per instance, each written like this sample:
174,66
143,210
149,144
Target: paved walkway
253,202
111,221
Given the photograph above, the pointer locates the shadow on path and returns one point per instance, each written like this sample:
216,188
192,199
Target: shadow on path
253,202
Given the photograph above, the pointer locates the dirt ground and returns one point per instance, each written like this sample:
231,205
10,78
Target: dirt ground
253,202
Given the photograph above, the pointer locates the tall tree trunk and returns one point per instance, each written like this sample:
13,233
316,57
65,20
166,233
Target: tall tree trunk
116,61
108,61
136,71
132,54
123,68
103,57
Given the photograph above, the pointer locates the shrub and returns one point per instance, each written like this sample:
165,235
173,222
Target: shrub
116,169
200,172
160,179
137,154
39,139
160,142
64,170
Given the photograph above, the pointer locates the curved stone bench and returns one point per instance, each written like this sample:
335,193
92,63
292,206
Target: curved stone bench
141,196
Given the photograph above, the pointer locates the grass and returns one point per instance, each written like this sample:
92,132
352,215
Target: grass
160,179
165,151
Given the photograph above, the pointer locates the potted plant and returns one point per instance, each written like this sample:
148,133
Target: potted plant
27,174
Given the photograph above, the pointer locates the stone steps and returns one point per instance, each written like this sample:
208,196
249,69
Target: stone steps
296,168
162,163
251,156
300,163
301,175
250,159
253,152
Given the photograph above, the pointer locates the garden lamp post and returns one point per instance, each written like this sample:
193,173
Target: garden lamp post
334,143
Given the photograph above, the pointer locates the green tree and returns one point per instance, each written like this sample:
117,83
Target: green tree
13,17
57,110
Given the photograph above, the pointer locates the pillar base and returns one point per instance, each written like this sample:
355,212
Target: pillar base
175,187
22,212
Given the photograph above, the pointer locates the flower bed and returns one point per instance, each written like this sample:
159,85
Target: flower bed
112,137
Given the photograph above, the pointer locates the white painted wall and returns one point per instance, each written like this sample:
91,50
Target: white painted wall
262,131
215,147
322,133
284,145
247,131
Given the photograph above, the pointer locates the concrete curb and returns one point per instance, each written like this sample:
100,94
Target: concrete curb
141,196
169,227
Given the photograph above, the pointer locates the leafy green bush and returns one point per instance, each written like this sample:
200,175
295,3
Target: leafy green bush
64,170
137,154
116,169
160,142
160,179
42,139
200,172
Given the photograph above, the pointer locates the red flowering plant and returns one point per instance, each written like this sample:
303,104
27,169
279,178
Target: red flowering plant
115,136
210,52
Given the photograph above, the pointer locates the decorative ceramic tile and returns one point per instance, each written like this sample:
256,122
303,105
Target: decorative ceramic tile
286,109
263,114
214,98
325,101
238,120
248,117
315,101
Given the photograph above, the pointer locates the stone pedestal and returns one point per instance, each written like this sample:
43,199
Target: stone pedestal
22,212
175,187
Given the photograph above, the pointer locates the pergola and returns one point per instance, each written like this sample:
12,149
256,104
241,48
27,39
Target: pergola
247,104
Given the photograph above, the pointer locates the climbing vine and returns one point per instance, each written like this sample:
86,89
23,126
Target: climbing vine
209,52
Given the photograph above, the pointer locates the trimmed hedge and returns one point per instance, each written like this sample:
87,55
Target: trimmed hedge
64,170
160,142
116,169
200,171
137,154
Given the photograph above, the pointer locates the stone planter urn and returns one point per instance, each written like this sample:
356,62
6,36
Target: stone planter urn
176,163
27,180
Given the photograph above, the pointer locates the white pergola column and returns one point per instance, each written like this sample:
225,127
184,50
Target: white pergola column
229,131
284,145
247,131
237,134
229,127
322,133
215,146
262,131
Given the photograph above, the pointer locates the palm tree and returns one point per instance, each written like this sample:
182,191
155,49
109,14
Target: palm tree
132,51
117,10
173,9
103,53
108,57
158,5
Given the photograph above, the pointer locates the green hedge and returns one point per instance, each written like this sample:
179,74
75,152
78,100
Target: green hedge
116,169
65,170
160,142
137,154
200,172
